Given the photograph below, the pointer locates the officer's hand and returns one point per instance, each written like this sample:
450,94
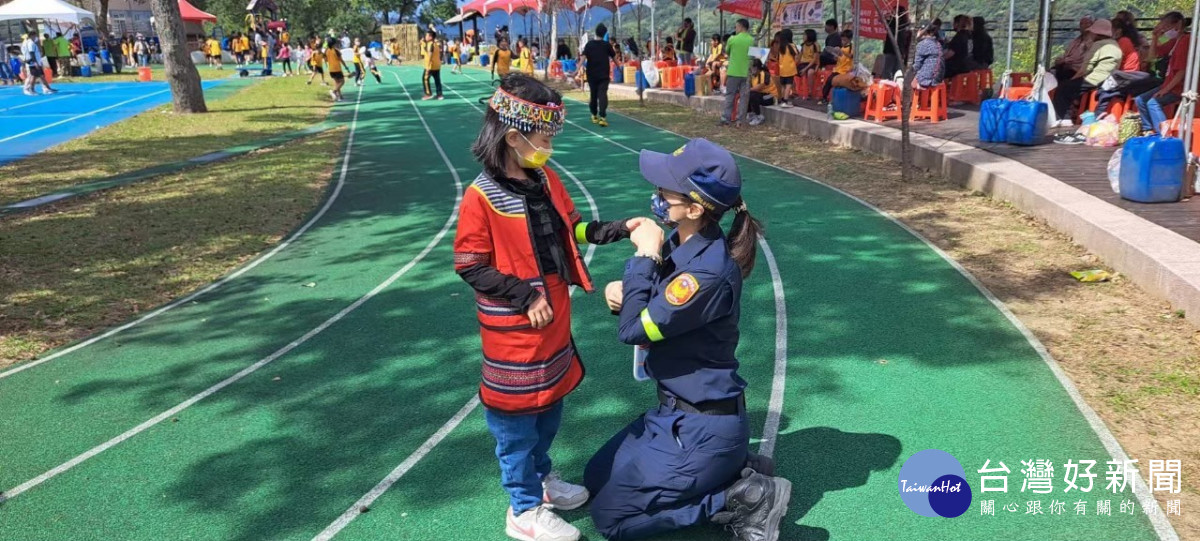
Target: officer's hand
540,313
648,237
633,223
614,294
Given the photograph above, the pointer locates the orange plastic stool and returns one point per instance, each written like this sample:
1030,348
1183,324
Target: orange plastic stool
800,87
1116,108
964,87
49,74
931,103
879,97
985,78
1022,79
144,74
556,70
822,76
673,78
1017,92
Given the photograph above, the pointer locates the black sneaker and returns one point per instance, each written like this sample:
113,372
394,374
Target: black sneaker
761,464
754,506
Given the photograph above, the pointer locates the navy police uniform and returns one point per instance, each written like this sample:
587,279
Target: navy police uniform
670,468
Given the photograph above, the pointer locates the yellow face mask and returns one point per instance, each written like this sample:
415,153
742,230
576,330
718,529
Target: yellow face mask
537,160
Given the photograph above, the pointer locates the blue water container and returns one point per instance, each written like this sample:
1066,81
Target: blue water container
993,121
483,60
464,58
642,83
618,75
1152,169
569,66
106,68
847,101
85,70
91,57
1027,122
689,84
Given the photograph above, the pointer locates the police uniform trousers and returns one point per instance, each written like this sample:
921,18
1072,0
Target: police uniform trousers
667,470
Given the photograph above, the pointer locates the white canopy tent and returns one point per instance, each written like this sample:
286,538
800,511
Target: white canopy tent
52,10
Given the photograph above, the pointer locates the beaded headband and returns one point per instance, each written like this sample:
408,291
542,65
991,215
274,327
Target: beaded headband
526,116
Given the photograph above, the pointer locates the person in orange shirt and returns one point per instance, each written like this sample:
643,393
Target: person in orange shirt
432,53
333,60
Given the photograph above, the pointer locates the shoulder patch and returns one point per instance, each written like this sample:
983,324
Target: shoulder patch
681,289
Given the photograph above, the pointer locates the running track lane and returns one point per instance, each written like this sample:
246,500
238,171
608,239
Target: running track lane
891,351
35,123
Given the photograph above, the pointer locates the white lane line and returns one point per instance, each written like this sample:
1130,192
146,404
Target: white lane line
16,491
32,103
337,190
392,477
77,117
1158,519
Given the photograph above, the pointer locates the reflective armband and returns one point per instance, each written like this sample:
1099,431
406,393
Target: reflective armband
581,232
650,327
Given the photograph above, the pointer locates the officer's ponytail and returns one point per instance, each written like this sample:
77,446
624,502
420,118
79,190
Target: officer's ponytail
743,236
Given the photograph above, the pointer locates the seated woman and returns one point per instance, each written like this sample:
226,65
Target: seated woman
1103,57
842,72
930,69
716,60
810,60
668,53
1131,42
762,91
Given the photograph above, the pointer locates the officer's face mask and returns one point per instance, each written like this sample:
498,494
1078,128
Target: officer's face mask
662,209
535,160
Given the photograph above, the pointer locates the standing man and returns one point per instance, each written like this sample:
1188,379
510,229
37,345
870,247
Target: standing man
738,69
686,38
63,47
597,57
51,51
31,57
432,53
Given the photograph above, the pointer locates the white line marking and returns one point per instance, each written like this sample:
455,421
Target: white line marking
1162,526
337,190
10,494
32,103
392,477
77,117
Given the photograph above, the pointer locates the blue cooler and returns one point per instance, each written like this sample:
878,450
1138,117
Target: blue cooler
1152,169
1027,122
993,121
689,84
85,71
618,74
847,101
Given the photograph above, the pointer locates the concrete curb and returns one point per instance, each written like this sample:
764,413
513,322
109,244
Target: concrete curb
1160,261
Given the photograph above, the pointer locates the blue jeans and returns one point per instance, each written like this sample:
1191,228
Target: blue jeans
523,445
1151,108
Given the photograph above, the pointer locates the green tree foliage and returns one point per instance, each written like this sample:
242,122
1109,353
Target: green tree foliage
437,11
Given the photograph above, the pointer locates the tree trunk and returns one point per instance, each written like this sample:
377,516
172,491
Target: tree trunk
102,20
186,92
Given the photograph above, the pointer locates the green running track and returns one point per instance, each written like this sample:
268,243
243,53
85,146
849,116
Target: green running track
264,409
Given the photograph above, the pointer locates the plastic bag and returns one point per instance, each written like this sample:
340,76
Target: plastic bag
1114,171
650,71
1131,126
1103,133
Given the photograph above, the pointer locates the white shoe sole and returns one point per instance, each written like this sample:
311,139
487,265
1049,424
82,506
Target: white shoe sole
568,506
508,529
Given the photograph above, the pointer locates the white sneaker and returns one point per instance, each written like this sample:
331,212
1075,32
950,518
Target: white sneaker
559,494
539,524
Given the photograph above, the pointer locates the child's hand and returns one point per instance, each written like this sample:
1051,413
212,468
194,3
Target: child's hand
647,238
614,295
540,314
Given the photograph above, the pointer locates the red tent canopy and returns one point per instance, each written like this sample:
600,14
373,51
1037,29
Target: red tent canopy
191,14
476,6
745,8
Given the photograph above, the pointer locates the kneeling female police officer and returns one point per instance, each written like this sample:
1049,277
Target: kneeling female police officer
686,461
